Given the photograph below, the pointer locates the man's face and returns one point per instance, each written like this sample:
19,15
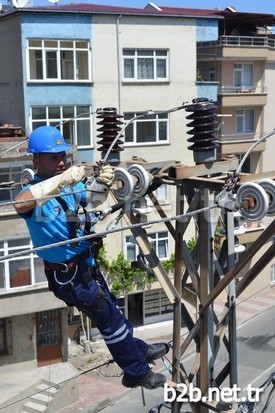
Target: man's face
50,164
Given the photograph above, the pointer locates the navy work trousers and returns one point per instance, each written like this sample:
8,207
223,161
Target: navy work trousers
92,296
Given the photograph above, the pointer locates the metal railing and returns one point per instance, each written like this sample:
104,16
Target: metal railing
232,89
247,41
241,41
238,137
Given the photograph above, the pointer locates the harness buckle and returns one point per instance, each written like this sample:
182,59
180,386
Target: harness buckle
65,266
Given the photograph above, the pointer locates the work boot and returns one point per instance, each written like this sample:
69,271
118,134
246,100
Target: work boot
155,351
150,381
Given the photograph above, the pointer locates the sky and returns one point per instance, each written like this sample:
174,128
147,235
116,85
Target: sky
250,6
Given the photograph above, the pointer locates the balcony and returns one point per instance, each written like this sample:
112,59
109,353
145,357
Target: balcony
247,41
240,90
232,95
239,47
240,143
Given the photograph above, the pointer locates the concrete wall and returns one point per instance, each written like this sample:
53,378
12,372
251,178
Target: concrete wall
22,344
11,73
34,299
110,36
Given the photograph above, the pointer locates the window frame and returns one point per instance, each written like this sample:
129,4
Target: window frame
243,116
134,128
162,194
136,57
5,249
155,238
36,63
62,122
240,68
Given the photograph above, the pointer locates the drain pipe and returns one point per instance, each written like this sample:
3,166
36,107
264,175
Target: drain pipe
119,82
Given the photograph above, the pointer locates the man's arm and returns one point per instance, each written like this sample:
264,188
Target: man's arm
26,202
52,186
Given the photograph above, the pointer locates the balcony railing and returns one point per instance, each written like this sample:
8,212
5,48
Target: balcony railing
247,41
231,89
237,137
241,41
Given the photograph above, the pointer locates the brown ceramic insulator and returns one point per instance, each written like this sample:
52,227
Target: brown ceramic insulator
204,125
109,128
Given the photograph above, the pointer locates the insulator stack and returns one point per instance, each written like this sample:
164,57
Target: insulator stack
204,130
110,126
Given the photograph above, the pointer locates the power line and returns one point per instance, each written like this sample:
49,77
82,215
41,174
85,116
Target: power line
110,231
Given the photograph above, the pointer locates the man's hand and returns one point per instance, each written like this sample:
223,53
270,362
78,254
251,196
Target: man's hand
72,176
106,175
99,185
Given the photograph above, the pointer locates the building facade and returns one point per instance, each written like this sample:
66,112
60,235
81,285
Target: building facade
62,64
242,61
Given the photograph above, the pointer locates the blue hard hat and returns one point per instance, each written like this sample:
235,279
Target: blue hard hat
47,139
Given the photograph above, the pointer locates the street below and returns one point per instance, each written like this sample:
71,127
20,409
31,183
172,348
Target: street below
255,365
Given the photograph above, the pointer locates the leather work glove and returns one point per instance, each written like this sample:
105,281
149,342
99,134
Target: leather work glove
53,186
106,175
99,184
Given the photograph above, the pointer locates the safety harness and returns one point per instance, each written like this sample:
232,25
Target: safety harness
72,217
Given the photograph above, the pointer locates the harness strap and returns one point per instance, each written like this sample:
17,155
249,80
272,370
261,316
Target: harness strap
87,226
71,217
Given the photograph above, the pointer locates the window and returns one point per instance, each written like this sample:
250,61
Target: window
58,60
161,194
74,122
11,172
212,74
145,65
245,121
156,303
159,241
153,129
243,74
20,271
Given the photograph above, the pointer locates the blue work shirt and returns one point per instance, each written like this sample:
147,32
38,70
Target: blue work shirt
47,224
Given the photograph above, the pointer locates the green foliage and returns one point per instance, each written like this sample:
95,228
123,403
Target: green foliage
102,258
169,264
191,244
122,276
124,279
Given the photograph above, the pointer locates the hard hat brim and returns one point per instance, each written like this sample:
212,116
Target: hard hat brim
62,148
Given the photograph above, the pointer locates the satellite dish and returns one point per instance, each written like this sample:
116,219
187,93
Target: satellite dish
20,4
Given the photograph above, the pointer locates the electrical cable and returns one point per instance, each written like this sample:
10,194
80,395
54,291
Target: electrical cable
44,197
13,147
263,138
110,231
144,115
60,124
114,230
56,385
269,398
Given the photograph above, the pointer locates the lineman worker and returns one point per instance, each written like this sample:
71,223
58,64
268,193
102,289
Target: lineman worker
71,269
